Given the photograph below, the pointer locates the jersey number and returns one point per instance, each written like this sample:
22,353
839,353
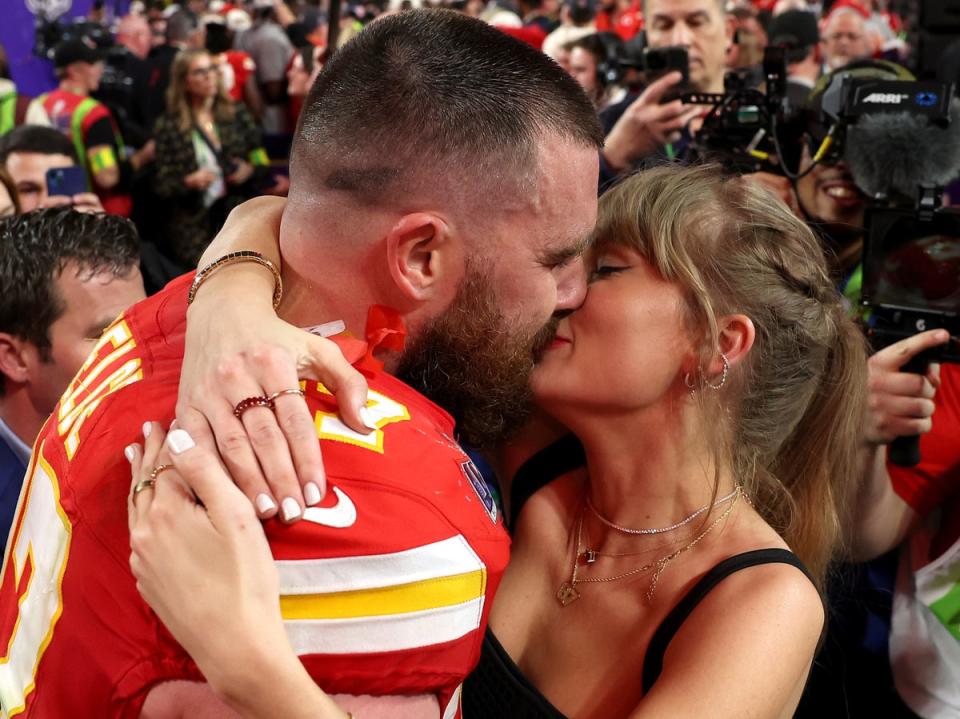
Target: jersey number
383,411
38,553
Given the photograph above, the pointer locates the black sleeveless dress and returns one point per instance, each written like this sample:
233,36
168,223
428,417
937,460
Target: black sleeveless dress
497,689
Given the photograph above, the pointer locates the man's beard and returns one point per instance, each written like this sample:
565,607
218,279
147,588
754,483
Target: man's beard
469,363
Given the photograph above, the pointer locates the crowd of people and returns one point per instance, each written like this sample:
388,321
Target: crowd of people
602,432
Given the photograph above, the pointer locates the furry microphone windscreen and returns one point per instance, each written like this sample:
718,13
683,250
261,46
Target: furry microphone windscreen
893,153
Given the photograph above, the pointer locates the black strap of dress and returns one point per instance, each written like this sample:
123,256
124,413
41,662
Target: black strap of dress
653,661
554,460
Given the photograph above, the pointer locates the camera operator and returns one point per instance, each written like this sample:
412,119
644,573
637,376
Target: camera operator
651,130
918,505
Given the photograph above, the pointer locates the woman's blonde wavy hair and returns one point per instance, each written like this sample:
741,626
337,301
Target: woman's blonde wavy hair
788,422
178,99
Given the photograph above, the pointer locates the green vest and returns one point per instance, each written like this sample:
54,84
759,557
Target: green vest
8,110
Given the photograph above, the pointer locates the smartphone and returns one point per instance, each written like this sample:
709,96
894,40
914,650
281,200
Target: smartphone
659,61
67,181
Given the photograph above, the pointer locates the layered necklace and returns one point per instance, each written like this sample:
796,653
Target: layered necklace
567,593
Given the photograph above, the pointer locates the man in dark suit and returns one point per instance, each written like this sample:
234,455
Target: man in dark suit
796,31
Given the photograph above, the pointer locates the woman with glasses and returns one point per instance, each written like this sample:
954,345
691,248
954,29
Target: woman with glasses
208,155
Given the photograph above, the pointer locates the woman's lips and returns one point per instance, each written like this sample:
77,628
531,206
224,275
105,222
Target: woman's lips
558,342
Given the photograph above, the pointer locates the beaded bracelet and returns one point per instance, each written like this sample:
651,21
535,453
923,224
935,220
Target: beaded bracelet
231,259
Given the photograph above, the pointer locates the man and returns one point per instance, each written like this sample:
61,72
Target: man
88,123
182,31
457,166
132,107
845,38
66,276
267,43
590,64
796,31
27,154
576,21
652,130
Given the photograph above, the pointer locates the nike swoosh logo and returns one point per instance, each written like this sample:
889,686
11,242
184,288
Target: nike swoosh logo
342,514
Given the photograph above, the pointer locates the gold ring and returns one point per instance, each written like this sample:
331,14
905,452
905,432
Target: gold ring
142,485
282,392
155,472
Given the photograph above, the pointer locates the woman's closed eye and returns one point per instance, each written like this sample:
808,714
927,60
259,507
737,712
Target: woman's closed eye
606,270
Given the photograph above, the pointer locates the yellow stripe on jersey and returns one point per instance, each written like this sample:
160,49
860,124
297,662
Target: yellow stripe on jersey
418,597
414,597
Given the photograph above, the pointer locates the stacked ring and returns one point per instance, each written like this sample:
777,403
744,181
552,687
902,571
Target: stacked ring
245,404
263,401
155,472
142,485
297,391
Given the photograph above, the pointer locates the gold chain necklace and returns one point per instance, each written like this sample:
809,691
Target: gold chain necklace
567,593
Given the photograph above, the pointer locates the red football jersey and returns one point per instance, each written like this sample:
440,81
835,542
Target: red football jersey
385,588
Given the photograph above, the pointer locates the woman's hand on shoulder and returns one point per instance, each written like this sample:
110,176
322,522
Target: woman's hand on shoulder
194,540
237,348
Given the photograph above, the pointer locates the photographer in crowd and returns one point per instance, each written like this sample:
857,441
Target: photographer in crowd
29,154
655,128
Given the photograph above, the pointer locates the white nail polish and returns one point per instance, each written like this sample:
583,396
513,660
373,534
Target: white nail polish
290,509
311,493
179,441
129,452
147,429
367,419
264,504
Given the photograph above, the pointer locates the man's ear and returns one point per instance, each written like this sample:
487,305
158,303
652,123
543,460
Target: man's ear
730,29
14,363
425,256
736,336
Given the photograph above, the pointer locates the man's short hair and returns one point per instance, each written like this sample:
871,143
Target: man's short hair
36,139
34,249
433,96
180,26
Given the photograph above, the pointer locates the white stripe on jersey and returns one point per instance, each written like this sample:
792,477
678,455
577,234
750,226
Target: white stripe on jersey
388,633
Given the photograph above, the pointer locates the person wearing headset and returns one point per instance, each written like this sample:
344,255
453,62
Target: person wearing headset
593,63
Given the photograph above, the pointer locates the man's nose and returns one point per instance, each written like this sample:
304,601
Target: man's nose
572,285
681,35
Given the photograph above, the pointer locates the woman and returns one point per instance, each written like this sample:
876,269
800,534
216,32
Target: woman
718,389
208,155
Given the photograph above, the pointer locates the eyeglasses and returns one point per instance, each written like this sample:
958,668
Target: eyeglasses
201,71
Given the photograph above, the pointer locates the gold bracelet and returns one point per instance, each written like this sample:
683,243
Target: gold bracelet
231,259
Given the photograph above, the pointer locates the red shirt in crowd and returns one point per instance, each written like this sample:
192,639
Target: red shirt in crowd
935,482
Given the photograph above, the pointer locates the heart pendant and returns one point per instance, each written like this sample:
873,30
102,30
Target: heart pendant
567,594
